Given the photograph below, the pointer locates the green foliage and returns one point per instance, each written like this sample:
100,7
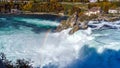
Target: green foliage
28,6
105,6
55,6
90,5
116,3
73,10
47,7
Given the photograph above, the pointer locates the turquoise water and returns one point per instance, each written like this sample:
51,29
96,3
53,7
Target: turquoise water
22,36
33,38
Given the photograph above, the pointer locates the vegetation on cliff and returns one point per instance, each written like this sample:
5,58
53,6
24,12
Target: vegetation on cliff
68,7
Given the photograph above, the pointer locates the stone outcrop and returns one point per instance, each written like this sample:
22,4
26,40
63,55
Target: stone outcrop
74,23
81,22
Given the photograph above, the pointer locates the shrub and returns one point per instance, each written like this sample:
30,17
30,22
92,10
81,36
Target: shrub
20,63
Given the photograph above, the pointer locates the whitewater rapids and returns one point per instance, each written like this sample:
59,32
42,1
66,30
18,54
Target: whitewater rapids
46,48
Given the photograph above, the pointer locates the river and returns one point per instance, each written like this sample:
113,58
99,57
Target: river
33,38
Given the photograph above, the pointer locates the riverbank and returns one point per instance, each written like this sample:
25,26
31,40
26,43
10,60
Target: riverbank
43,13
35,13
82,18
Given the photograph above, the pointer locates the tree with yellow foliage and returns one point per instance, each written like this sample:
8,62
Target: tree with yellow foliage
28,6
106,6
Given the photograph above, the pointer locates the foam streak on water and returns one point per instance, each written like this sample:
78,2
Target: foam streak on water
38,22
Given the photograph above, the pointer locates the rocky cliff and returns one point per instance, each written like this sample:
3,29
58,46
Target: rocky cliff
74,23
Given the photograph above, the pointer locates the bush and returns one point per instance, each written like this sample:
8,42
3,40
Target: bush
20,63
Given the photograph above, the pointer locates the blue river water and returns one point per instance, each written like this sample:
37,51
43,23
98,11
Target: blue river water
32,37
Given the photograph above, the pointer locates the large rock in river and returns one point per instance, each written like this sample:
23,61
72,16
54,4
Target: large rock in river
72,22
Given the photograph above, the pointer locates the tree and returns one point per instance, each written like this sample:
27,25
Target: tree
105,6
18,64
105,0
28,6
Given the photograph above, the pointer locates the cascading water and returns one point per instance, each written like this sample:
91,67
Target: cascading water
93,47
62,49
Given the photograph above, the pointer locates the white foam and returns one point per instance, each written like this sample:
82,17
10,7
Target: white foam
59,48
63,48
38,22
3,19
106,39
100,24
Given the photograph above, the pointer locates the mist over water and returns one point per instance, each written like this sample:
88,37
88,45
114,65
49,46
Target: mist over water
32,39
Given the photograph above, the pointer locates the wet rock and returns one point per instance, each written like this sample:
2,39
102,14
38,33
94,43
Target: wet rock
62,26
72,22
74,29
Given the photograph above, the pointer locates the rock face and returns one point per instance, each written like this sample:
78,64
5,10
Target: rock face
72,22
